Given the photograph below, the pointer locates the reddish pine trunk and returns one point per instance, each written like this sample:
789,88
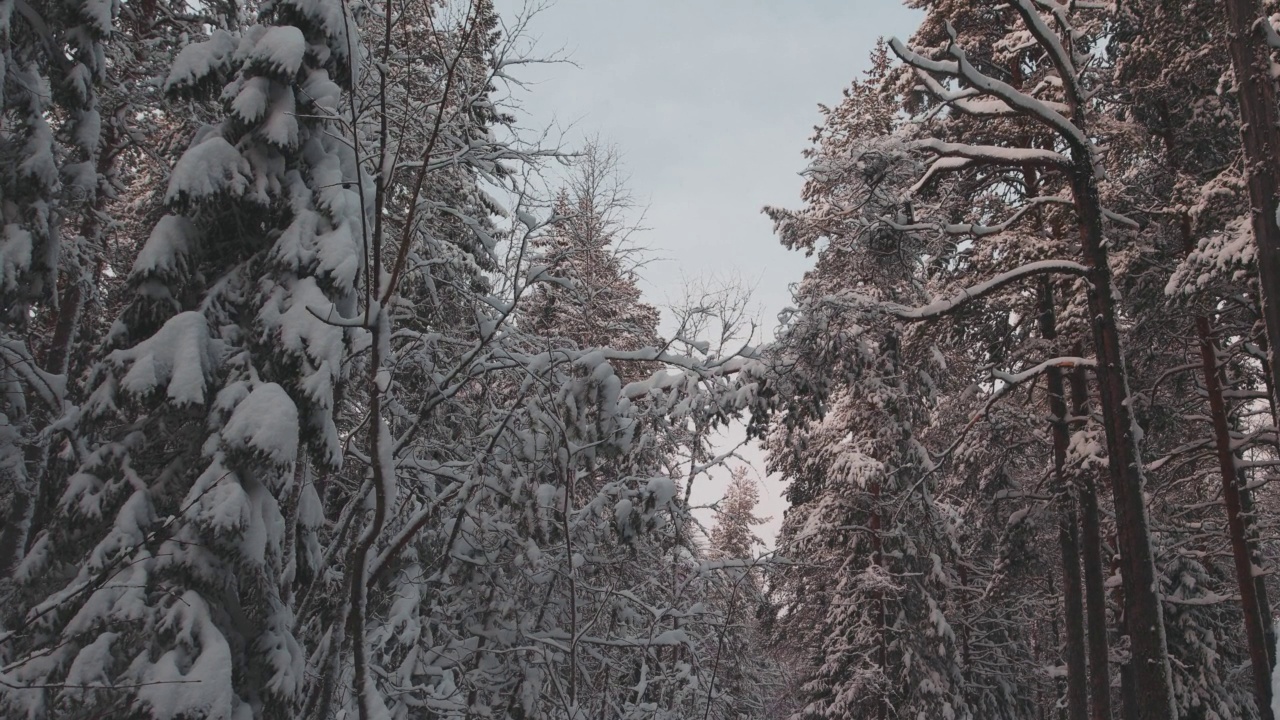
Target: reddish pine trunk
1129,705
1259,582
1143,613
1095,592
1260,140
1254,626
1068,536
1254,630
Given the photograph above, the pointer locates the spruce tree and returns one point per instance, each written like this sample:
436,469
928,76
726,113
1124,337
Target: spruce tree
169,570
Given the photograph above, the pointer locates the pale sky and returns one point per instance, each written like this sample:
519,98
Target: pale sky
710,103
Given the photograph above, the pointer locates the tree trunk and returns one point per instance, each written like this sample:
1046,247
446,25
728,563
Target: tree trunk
1260,141
1129,704
1143,613
1260,582
1253,610
1254,630
1095,591
1246,503
882,651
1068,536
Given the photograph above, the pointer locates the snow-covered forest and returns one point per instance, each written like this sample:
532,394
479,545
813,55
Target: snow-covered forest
330,389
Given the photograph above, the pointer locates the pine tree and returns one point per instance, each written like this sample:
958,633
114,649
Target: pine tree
592,297
850,440
1068,119
732,536
743,678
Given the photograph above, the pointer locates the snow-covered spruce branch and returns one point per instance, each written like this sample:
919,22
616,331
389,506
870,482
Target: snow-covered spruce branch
123,559
41,28
1268,32
939,308
15,356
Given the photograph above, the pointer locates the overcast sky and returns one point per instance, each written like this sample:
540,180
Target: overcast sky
710,103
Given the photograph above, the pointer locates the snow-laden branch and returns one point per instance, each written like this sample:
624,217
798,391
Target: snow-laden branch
979,230
975,230
1120,219
685,367
971,101
1268,32
1024,103
1037,370
412,527
938,308
939,166
994,154
1011,382
50,388
663,639
1052,44
41,28
1208,599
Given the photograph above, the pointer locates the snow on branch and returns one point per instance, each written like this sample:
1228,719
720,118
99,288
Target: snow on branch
965,100
663,639
1011,382
975,230
1119,219
939,166
1020,101
1052,44
1269,33
993,154
1011,379
938,308
41,28
50,388
979,230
